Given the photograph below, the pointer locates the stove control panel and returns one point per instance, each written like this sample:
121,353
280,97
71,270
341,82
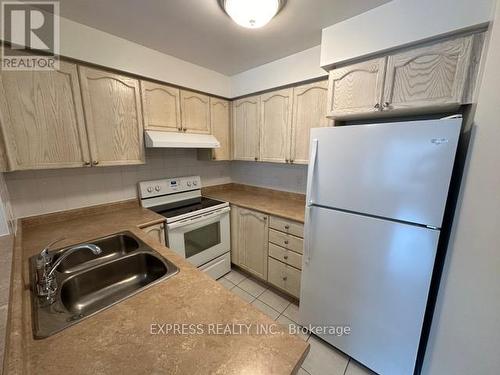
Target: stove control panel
151,189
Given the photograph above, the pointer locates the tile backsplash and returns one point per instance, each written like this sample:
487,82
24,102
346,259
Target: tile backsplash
43,191
285,177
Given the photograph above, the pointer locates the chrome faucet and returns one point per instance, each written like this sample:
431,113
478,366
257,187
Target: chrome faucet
46,281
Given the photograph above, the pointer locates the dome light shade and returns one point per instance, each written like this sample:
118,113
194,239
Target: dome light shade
252,14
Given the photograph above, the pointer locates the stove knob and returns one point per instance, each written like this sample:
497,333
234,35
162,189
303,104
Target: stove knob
189,183
150,189
195,183
157,187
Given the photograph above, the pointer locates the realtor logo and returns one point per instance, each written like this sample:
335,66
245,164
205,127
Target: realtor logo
32,29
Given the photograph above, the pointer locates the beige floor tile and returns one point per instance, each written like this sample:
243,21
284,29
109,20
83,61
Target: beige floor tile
235,277
355,368
294,327
240,292
292,312
324,359
268,310
274,300
253,287
226,283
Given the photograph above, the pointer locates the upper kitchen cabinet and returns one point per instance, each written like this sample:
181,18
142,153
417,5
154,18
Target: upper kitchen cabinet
113,113
246,120
434,75
195,112
162,107
309,111
42,119
275,125
356,88
220,124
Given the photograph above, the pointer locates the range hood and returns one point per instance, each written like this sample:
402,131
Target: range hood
159,139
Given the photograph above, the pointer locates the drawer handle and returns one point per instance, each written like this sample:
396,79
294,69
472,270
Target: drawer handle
284,278
285,256
287,227
286,242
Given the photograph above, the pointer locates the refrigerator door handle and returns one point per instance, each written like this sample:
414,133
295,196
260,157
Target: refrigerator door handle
312,166
307,235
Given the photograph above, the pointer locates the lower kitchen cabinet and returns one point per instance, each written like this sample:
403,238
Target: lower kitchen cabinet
268,247
156,232
284,277
249,231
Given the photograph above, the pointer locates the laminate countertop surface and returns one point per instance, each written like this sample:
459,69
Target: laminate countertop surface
273,202
121,339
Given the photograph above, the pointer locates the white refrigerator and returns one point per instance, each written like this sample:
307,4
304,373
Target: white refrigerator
376,197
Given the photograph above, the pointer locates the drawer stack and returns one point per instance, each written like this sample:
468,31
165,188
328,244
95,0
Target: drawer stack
286,244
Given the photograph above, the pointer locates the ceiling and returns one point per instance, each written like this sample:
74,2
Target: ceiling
198,31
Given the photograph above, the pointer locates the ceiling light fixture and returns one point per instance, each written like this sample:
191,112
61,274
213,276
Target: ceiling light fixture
252,14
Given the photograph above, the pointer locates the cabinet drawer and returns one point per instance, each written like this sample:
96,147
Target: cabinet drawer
286,240
284,277
287,226
286,256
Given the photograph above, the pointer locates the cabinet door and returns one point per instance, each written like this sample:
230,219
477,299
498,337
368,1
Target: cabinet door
275,126
356,89
156,232
195,110
246,119
434,75
219,120
253,242
42,119
162,107
235,234
112,107
309,111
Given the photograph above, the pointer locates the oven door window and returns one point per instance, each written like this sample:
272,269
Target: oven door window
201,239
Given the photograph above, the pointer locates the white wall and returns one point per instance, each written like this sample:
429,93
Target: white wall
44,191
294,68
397,23
465,337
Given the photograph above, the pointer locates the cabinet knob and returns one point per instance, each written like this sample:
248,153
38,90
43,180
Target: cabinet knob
264,218
286,242
214,158
386,105
184,130
287,227
87,163
287,161
284,278
291,161
256,158
376,106
285,256
95,162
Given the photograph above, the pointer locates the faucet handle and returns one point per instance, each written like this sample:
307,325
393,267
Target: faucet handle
44,257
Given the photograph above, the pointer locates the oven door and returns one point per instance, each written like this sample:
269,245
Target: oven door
202,238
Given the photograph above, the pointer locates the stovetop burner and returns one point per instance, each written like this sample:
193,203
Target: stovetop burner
184,207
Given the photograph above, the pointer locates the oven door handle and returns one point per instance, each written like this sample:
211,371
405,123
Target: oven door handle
197,219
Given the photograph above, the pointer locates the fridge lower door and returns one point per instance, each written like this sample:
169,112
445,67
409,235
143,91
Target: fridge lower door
373,276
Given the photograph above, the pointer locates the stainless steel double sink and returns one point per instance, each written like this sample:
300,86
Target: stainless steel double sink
88,283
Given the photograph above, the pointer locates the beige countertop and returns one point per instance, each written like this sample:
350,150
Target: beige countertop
119,340
273,202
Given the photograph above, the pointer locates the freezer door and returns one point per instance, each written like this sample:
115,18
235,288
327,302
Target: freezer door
398,170
373,276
